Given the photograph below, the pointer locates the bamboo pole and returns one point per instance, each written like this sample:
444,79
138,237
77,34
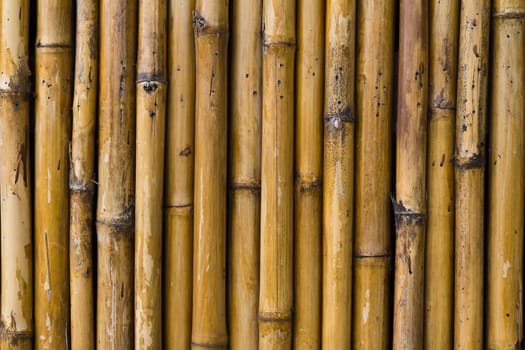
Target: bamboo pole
81,180
179,177
54,72
439,264
16,330
151,101
338,174
374,102
245,174
506,172
410,203
210,21
469,172
116,172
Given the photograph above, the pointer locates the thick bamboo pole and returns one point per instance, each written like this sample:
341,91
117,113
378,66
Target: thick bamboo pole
373,246
116,172
16,331
54,73
410,203
210,21
245,174
506,172
338,174
469,172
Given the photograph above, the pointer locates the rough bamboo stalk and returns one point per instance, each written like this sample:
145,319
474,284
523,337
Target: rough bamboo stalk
210,22
506,169
373,246
338,174
469,172
245,174
116,172
54,77
16,320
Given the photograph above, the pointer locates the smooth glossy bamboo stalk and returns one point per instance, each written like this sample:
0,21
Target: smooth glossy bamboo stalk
210,21
16,317
373,247
245,174
116,174
338,174
54,78
506,171
471,103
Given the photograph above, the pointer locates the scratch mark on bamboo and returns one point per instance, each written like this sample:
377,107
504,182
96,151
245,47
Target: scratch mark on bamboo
47,285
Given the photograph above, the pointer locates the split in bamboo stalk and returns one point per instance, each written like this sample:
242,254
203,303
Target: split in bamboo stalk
245,174
209,327
410,203
179,177
54,73
471,100
507,169
16,331
116,171
372,245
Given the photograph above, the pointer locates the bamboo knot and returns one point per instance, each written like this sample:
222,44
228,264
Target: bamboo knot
475,161
403,214
338,120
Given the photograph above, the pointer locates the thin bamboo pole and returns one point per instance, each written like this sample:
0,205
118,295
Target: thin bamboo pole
16,330
54,72
179,177
373,246
506,172
338,174
245,175
81,184
210,22
469,172
410,204
116,173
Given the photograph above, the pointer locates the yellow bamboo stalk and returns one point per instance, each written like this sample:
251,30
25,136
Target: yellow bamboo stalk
116,172
469,172
210,22
54,72
245,174
338,174
16,330
372,249
179,177
506,169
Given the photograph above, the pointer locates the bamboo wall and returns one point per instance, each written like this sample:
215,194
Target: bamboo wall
262,174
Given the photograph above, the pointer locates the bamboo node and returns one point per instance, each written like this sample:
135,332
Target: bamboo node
475,161
508,15
252,187
403,214
208,346
338,120
273,317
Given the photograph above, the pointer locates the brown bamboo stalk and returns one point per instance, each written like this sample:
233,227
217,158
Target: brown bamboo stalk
151,101
210,22
54,73
338,174
179,177
506,172
245,174
81,180
116,172
16,320
469,172
373,246
410,204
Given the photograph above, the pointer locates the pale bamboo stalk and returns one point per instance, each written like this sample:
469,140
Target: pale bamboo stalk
373,246
116,174
469,172
209,326
338,174
54,77
410,203
245,173
16,331
506,172
179,177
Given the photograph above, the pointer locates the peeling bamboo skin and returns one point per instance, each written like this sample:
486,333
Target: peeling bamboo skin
506,171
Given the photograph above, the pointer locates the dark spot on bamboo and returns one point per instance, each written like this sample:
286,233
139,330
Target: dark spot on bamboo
246,75
442,160
185,152
58,165
254,93
464,127
475,50
150,87
152,114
